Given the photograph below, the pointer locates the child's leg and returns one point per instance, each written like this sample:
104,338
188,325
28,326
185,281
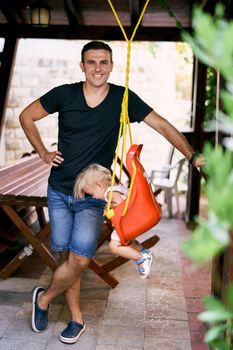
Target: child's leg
127,252
134,251
137,246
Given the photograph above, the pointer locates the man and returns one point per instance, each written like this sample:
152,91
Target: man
88,128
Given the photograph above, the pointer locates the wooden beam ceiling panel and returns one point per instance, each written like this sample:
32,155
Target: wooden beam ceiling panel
91,32
99,13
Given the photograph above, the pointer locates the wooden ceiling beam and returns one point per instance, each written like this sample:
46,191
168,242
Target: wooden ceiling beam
74,13
7,62
134,6
91,32
9,12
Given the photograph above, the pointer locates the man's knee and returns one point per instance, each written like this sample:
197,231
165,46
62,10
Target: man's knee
63,256
78,262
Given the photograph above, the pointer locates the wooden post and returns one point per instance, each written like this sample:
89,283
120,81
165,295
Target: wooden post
199,87
7,62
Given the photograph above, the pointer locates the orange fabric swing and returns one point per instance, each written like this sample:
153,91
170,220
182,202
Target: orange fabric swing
142,211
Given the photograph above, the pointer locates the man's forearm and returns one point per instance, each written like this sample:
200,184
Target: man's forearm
27,119
32,133
171,134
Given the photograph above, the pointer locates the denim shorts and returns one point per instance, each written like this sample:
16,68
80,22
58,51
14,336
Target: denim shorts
75,223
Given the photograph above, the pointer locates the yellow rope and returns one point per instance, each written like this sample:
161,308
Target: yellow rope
124,117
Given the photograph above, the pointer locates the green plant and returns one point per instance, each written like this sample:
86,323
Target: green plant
213,45
217,312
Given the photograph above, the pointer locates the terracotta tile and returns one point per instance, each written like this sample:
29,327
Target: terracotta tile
198,291
194,305
200,346
197,336
194,322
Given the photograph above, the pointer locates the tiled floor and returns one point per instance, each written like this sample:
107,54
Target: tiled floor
154,314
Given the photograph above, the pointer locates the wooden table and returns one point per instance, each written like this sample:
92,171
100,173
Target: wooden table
24,184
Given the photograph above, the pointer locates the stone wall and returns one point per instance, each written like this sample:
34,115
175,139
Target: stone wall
37,70
43,64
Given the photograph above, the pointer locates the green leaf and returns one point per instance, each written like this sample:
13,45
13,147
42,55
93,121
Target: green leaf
212,41
205,30
219,10
214,316
212,303
208,239
219,344
218,174
214,333
220,182
227,99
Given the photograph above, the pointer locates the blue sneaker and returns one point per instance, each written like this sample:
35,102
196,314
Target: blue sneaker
39,316
72,332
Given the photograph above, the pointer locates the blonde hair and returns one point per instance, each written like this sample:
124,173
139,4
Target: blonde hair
90,176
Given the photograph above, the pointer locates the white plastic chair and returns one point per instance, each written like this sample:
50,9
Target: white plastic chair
166,179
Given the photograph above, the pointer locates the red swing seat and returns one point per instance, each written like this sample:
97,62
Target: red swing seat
143,211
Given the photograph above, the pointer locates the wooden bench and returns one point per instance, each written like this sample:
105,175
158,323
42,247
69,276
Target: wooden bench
23,184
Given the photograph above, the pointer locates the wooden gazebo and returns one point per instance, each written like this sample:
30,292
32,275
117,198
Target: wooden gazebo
93,19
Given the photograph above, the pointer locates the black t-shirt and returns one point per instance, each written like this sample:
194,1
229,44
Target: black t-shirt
86,134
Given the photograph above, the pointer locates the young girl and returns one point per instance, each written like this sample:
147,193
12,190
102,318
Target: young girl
96,181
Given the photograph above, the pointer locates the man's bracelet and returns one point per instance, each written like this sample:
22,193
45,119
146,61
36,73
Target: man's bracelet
194,156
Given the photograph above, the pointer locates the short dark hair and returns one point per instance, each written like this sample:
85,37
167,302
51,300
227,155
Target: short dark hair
96,45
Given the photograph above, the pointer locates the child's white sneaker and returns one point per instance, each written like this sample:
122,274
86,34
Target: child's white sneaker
145,264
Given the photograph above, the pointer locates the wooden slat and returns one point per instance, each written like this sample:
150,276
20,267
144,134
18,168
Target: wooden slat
18,163
17,173
88,32
23,200
24,182
16,185
34,185
28,187
21,166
